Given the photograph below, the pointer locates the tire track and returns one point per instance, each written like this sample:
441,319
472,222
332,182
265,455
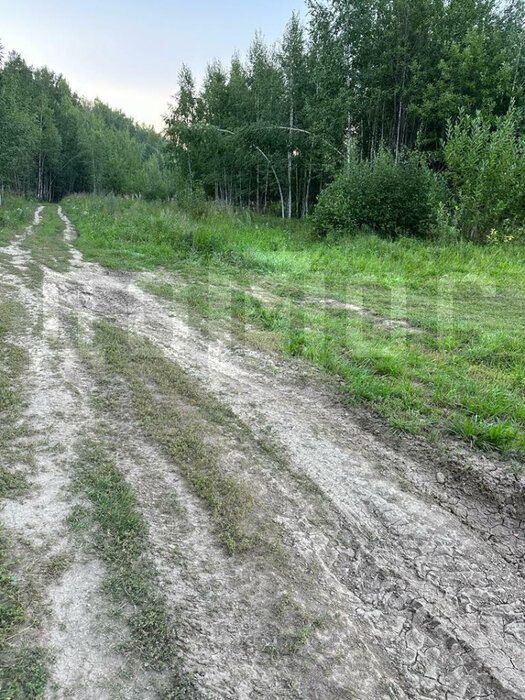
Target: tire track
433,593
429,606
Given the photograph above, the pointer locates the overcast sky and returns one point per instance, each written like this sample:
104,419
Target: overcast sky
128,52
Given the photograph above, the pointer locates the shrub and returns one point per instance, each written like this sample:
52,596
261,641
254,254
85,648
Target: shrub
486,165
393,198
444,229
192,200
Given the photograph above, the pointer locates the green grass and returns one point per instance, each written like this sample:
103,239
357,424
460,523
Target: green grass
299,626
181,417
47,244
13,362
463,373
121,540
23,674
16,213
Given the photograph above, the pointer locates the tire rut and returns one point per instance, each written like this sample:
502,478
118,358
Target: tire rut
73,619
438,597
428,607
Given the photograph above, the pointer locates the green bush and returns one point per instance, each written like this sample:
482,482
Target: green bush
393,198
192,201
486,165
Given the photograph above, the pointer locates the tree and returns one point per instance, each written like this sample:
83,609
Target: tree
360,77
53,143
293,64
486,165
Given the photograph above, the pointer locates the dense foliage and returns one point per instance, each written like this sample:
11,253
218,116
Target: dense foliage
486,162
53,143
274,130
392,198
360,112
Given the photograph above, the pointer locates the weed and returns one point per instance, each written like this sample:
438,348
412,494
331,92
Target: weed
15,215
79,519
299,627
23,672
12,483
503,436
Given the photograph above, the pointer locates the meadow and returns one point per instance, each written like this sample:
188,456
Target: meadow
428,335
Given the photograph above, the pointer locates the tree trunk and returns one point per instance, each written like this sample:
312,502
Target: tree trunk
307,192
297,193
348,138
257,199
190,173
289,205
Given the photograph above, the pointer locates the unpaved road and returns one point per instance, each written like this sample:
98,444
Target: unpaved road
402,586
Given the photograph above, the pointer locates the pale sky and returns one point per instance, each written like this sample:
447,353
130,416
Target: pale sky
128,53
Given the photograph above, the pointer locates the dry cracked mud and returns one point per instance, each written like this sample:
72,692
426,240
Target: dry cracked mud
391,574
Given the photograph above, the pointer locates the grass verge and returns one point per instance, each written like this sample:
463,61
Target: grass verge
460,372
16,214
121,540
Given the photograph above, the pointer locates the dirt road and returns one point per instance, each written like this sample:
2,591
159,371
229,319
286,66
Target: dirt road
386,574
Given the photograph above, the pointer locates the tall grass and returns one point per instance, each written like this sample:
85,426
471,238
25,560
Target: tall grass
15,214
152,234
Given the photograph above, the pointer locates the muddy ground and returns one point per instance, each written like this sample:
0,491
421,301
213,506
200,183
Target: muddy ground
387,569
